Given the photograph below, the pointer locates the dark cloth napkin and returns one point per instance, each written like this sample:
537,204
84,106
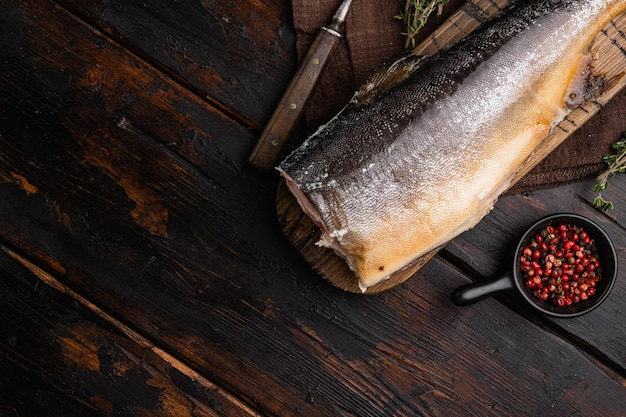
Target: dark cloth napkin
372,36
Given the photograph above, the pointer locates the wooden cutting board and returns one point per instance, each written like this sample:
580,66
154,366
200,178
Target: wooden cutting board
303,234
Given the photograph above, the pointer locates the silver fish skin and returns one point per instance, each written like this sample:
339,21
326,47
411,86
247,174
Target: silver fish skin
406,167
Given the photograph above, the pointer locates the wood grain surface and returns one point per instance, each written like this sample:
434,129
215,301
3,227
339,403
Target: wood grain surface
143,270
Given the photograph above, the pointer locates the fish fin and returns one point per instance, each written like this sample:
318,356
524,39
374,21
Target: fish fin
587,84
387,75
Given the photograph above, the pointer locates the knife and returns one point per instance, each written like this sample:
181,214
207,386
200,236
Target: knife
291,107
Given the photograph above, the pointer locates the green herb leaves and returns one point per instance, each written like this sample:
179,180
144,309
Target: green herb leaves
616,163
415,15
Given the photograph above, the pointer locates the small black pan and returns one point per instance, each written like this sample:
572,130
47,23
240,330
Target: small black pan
513,280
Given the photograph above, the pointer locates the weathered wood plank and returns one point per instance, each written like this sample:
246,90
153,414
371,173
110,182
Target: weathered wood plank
189,254
418,370
240,56
73,75
59,356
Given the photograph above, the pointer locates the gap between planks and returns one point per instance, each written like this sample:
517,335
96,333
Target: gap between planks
159,67
133,335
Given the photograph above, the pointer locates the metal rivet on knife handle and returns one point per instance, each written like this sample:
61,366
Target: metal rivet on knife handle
291,107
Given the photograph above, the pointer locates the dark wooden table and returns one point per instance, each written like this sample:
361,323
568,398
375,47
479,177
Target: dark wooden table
144,272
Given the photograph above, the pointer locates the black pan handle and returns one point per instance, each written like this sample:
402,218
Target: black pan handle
471,293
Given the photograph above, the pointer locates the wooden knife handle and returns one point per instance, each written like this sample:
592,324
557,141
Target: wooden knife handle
291,107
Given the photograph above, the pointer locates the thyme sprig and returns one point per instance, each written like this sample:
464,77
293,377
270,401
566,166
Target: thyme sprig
616,164
415,16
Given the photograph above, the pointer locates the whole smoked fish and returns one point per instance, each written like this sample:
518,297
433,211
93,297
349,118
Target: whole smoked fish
424,149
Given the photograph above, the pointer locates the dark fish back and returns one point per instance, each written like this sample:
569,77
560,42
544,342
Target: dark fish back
349,140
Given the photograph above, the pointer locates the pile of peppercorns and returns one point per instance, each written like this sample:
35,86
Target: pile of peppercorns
560,265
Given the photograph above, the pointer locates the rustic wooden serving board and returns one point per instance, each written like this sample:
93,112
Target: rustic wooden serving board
303,234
